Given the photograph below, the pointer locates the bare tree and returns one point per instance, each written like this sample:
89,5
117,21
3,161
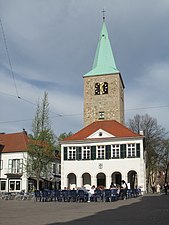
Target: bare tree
154,134
164,157
42,142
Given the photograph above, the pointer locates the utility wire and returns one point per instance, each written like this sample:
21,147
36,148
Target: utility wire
3,93
26,100
22,120
79,114
150,107
17,95
11,68
14,121
8,56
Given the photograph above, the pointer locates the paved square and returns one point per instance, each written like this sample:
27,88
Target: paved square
150,209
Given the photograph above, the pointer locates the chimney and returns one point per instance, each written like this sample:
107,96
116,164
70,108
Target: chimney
24,131
141,132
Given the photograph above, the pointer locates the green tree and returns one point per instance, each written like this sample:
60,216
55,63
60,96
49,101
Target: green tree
41,143
153,134
64,135
61,137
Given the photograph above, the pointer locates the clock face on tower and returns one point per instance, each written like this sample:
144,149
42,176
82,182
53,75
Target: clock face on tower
101,88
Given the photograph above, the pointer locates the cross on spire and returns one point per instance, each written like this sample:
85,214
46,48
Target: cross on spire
103,14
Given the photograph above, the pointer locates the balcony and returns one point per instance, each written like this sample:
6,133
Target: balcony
13,172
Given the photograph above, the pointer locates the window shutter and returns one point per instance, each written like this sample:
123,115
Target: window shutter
93,152
20,165
65,153
108,151
54,168
123,151
78,153
1,164
10,166
138,150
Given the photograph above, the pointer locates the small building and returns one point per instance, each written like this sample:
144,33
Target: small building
13,154
13,158
102,153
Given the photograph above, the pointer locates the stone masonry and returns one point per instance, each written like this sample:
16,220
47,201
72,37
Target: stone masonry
111,104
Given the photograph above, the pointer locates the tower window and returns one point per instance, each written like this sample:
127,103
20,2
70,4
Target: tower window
101,115
101,88
97,89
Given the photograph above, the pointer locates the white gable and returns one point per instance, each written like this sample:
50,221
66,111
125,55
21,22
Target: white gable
100,134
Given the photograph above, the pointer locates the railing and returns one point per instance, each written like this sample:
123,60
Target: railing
16,195
13,171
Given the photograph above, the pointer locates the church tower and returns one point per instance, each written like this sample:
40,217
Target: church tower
103,85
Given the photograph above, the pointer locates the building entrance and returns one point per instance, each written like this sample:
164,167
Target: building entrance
101,179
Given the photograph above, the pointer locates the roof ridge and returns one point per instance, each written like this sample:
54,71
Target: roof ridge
111,126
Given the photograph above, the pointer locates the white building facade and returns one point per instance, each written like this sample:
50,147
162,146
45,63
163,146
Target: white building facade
13,161
101,157
13,177
13,156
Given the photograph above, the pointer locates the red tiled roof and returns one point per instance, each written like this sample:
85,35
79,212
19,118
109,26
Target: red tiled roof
110,126
16,142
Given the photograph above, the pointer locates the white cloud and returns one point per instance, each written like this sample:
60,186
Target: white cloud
52,44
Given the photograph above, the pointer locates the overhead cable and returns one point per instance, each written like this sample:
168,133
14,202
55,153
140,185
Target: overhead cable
9,60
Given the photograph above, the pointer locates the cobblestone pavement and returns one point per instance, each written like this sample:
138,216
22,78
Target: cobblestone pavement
147,210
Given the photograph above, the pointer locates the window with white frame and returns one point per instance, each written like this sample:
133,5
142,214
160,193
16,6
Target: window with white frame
15,165
55,168
15,185
72,153
100,151
131,150
115,151
86,152
2,185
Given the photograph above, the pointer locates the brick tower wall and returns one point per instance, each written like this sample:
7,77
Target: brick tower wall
112,104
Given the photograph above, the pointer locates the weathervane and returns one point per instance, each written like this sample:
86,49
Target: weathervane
103,15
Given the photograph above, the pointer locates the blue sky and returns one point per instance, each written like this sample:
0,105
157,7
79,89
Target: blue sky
52,43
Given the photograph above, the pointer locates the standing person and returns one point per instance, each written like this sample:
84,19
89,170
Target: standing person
123,191
118,191
153,187
166,187
91,193
158,188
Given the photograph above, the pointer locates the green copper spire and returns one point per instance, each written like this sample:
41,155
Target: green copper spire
104,62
